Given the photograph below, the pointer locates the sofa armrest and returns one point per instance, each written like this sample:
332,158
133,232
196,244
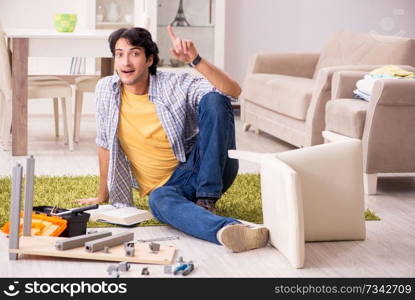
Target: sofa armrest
291,64
315,123
394,92
388,138
344,82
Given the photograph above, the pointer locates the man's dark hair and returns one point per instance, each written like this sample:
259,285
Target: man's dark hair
137,37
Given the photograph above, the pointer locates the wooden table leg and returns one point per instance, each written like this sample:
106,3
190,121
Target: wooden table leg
20,53
107,66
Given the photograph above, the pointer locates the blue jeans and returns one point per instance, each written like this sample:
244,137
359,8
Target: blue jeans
207,172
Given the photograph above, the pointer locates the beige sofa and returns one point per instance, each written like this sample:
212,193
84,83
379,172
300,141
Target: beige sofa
284,94
384,123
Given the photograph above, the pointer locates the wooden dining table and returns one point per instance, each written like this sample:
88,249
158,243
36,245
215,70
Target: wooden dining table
25,43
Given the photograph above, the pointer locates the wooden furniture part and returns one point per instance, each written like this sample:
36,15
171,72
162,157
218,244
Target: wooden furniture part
45,246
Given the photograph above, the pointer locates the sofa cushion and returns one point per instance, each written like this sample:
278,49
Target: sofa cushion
286,95
346,117
349,48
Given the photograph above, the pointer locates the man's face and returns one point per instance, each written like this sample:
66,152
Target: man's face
131,63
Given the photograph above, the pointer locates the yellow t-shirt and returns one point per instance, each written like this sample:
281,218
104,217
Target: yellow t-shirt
145,142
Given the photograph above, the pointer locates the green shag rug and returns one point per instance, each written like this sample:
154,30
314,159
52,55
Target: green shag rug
241,201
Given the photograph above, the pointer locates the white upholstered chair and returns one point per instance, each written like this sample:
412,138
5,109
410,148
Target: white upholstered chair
311,194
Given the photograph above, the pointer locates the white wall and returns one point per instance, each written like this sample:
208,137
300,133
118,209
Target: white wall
304,25
18,13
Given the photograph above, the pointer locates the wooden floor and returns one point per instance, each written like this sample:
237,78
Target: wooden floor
388,251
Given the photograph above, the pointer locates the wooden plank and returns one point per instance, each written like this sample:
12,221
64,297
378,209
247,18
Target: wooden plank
45,246
107,66
71,79
20,48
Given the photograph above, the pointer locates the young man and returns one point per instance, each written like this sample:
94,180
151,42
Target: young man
168,135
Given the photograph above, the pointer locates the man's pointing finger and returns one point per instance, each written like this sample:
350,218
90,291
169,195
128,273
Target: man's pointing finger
171,33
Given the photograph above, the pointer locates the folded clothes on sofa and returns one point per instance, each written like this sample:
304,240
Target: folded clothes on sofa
391,71
364,86
361,95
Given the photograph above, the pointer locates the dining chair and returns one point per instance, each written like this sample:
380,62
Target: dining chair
38,87
83,84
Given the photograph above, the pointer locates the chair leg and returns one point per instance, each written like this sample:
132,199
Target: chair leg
370,183
68,121
56,115
65,121
78,114
246,127
7,122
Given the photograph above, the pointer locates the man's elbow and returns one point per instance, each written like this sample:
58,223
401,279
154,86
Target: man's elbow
236,91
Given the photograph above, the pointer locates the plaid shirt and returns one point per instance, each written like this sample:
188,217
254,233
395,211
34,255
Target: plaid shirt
176,97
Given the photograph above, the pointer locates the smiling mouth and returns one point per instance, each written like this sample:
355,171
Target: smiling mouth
127,71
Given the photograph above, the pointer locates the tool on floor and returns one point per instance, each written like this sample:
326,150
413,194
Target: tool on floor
160,239
189,268
184,268
76,210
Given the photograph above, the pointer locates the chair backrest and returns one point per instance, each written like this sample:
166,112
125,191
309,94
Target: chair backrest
331,178
311,194
78,65
5,72
349,48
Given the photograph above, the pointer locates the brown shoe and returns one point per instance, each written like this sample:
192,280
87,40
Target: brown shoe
207,203
241,237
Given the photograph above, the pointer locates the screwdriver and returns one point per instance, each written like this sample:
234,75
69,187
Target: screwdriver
167,238
76,210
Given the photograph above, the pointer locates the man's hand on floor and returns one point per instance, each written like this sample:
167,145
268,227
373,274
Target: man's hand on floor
90,201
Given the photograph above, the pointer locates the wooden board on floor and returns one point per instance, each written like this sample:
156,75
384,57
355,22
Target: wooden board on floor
45,246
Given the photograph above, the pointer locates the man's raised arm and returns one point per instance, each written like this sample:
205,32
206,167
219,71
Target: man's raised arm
185,51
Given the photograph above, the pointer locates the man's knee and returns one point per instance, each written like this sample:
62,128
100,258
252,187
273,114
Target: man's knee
160,199
214,102
156,197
